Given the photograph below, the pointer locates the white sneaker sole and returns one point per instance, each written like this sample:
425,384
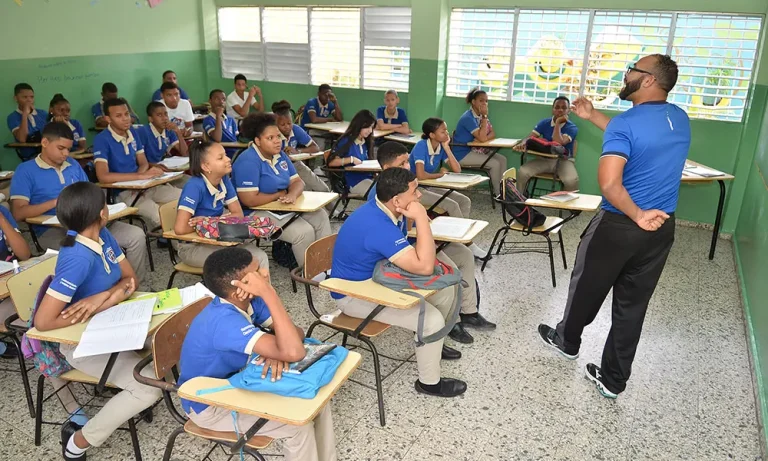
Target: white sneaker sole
600,387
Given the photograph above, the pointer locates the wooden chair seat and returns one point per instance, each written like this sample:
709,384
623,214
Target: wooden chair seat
77,376
371,330
356,196
187,269
549,176
257,442
551,221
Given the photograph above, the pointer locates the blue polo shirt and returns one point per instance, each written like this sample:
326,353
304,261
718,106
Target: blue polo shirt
158,95
313,105
298,138
117,152
77,132
546,128
254,173
399,119
463,135
359,151
37,182
86,268
654,139
37,121
219,342
431,159
97,110
201,198
370,234
157,144
229,130
5,250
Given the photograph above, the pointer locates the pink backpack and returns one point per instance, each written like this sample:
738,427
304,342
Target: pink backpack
249,226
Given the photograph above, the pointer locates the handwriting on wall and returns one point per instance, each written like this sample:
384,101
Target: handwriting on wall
63,70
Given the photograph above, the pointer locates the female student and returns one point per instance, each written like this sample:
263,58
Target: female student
207,193
296,141
12,246
263,173
353,147
475,126
391,117
91,276
58,111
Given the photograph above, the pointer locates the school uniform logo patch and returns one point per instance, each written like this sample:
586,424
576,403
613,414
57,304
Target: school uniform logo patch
111,255
284,165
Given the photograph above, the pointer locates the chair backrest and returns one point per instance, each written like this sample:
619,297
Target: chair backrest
23,287
326,154
167,340
319,255
509,174
168,216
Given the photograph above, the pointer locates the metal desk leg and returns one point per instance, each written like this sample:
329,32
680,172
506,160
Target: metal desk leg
105,375
434,205
718,218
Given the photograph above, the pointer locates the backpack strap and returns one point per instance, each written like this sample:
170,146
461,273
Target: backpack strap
449,322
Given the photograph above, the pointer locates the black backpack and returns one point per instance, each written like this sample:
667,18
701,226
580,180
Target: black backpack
525,215
282,254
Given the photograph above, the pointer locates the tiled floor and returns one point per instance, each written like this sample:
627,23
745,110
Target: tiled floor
691,395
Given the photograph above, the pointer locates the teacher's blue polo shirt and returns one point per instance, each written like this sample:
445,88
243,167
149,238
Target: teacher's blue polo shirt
359,149
201,198
313,105
431,158
37,182
252,172
229,131
219,342
118,152
86,268
298,138
370,234
36,121
398,119
653,138
5,250
546,129
468,123
157,144
158,95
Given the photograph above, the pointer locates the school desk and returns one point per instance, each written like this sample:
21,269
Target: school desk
376,133
444,240
194,135
328,126
308,202
409,139
498,143
40,220
140,188
18,146
301,156
81,154
368,290
450,187
4,293
194,238
6,175
234,145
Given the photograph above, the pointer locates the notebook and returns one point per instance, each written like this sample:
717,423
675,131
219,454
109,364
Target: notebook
458,178
113,210
368,165
175,162
446,226
193,293
696,170
560,196
144,182
123,327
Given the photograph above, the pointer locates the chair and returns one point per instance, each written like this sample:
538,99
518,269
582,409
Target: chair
166,353
167,221
532,185
480,169
318,261
339,185
552,226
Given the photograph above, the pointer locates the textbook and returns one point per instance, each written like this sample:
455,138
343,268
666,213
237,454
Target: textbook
560,196
123,327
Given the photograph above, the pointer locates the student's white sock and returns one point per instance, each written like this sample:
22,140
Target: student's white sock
73,449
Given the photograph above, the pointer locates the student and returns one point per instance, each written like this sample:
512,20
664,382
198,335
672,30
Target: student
354,146
26,122
561,130
295,141
475,126
207,193
35,190
322,109
263,173
59,110
218,125
91,276
160,137
108,91
179,109
391,117
169,76
119,156
224,335
392,154
12,247
239,103
373,232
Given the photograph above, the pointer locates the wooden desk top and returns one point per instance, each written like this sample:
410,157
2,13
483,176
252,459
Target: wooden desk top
376,133
194,135
539,154
411,139
287,410
498,143
300,157
4,293
151,184
328,126
40,220
473,231
80,155
452,185
368,290
236,145
23,144
194,238
6,175
700,179
308,202
350,169
584,202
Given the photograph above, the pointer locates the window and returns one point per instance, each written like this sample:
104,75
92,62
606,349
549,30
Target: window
240,43
335,44
286,39
386,48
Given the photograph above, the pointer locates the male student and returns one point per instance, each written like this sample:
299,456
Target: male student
160,137
559,129
239,102
170,76
375,232
322,109
108,91
219,126
26,122
36,186
179,110
119,156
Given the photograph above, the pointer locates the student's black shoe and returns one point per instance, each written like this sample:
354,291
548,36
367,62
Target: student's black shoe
447,387
476,321
450,354
460,335
593,374
11,352
162,243
549,336
67,430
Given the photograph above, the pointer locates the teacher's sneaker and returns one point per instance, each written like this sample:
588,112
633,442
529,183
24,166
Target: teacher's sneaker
550,338
592,372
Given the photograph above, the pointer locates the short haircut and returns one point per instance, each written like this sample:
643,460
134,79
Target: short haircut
79,206
114,103
153,106
389,151
109,87
394,92
222,267
240,77
430,125
21,87
665,72
210,95
474,93
323,87
166,86
57,130
168,72
392,182
254,125
282,108
197,152
561,98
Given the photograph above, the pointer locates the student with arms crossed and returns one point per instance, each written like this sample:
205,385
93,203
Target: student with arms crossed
297,141
391,117
239,102
37,184
355,146
59,110
161,137
219,126
91,276
26,122
224,335
374,232
108,91
179,109
169,76
263,173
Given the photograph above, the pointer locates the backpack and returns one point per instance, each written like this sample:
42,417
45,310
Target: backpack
537,144
282,254
387,274
234,228
527,216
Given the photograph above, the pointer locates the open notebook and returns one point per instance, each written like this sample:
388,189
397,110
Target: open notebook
458,178
446,226
368,165
175,162
120,328
144,182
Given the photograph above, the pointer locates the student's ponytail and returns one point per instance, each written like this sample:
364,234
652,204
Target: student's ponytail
197,152
69,239
282,108
429,126
78,207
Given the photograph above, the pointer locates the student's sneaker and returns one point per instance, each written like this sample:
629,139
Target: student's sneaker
592,372
68,429
549,336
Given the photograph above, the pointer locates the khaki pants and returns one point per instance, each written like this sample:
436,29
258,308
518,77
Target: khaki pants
437,308
311,181
131,401
497,165
195,254
461,258
150,201
361,187
302,232
314,441
456,204
130,237
566,171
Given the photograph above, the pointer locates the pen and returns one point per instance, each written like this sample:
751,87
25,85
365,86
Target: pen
16,268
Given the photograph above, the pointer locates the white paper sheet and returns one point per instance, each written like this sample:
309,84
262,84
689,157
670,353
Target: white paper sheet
175,162
193,293
113,209
120,328
458,178
368,165
280,216
447,226
701,171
